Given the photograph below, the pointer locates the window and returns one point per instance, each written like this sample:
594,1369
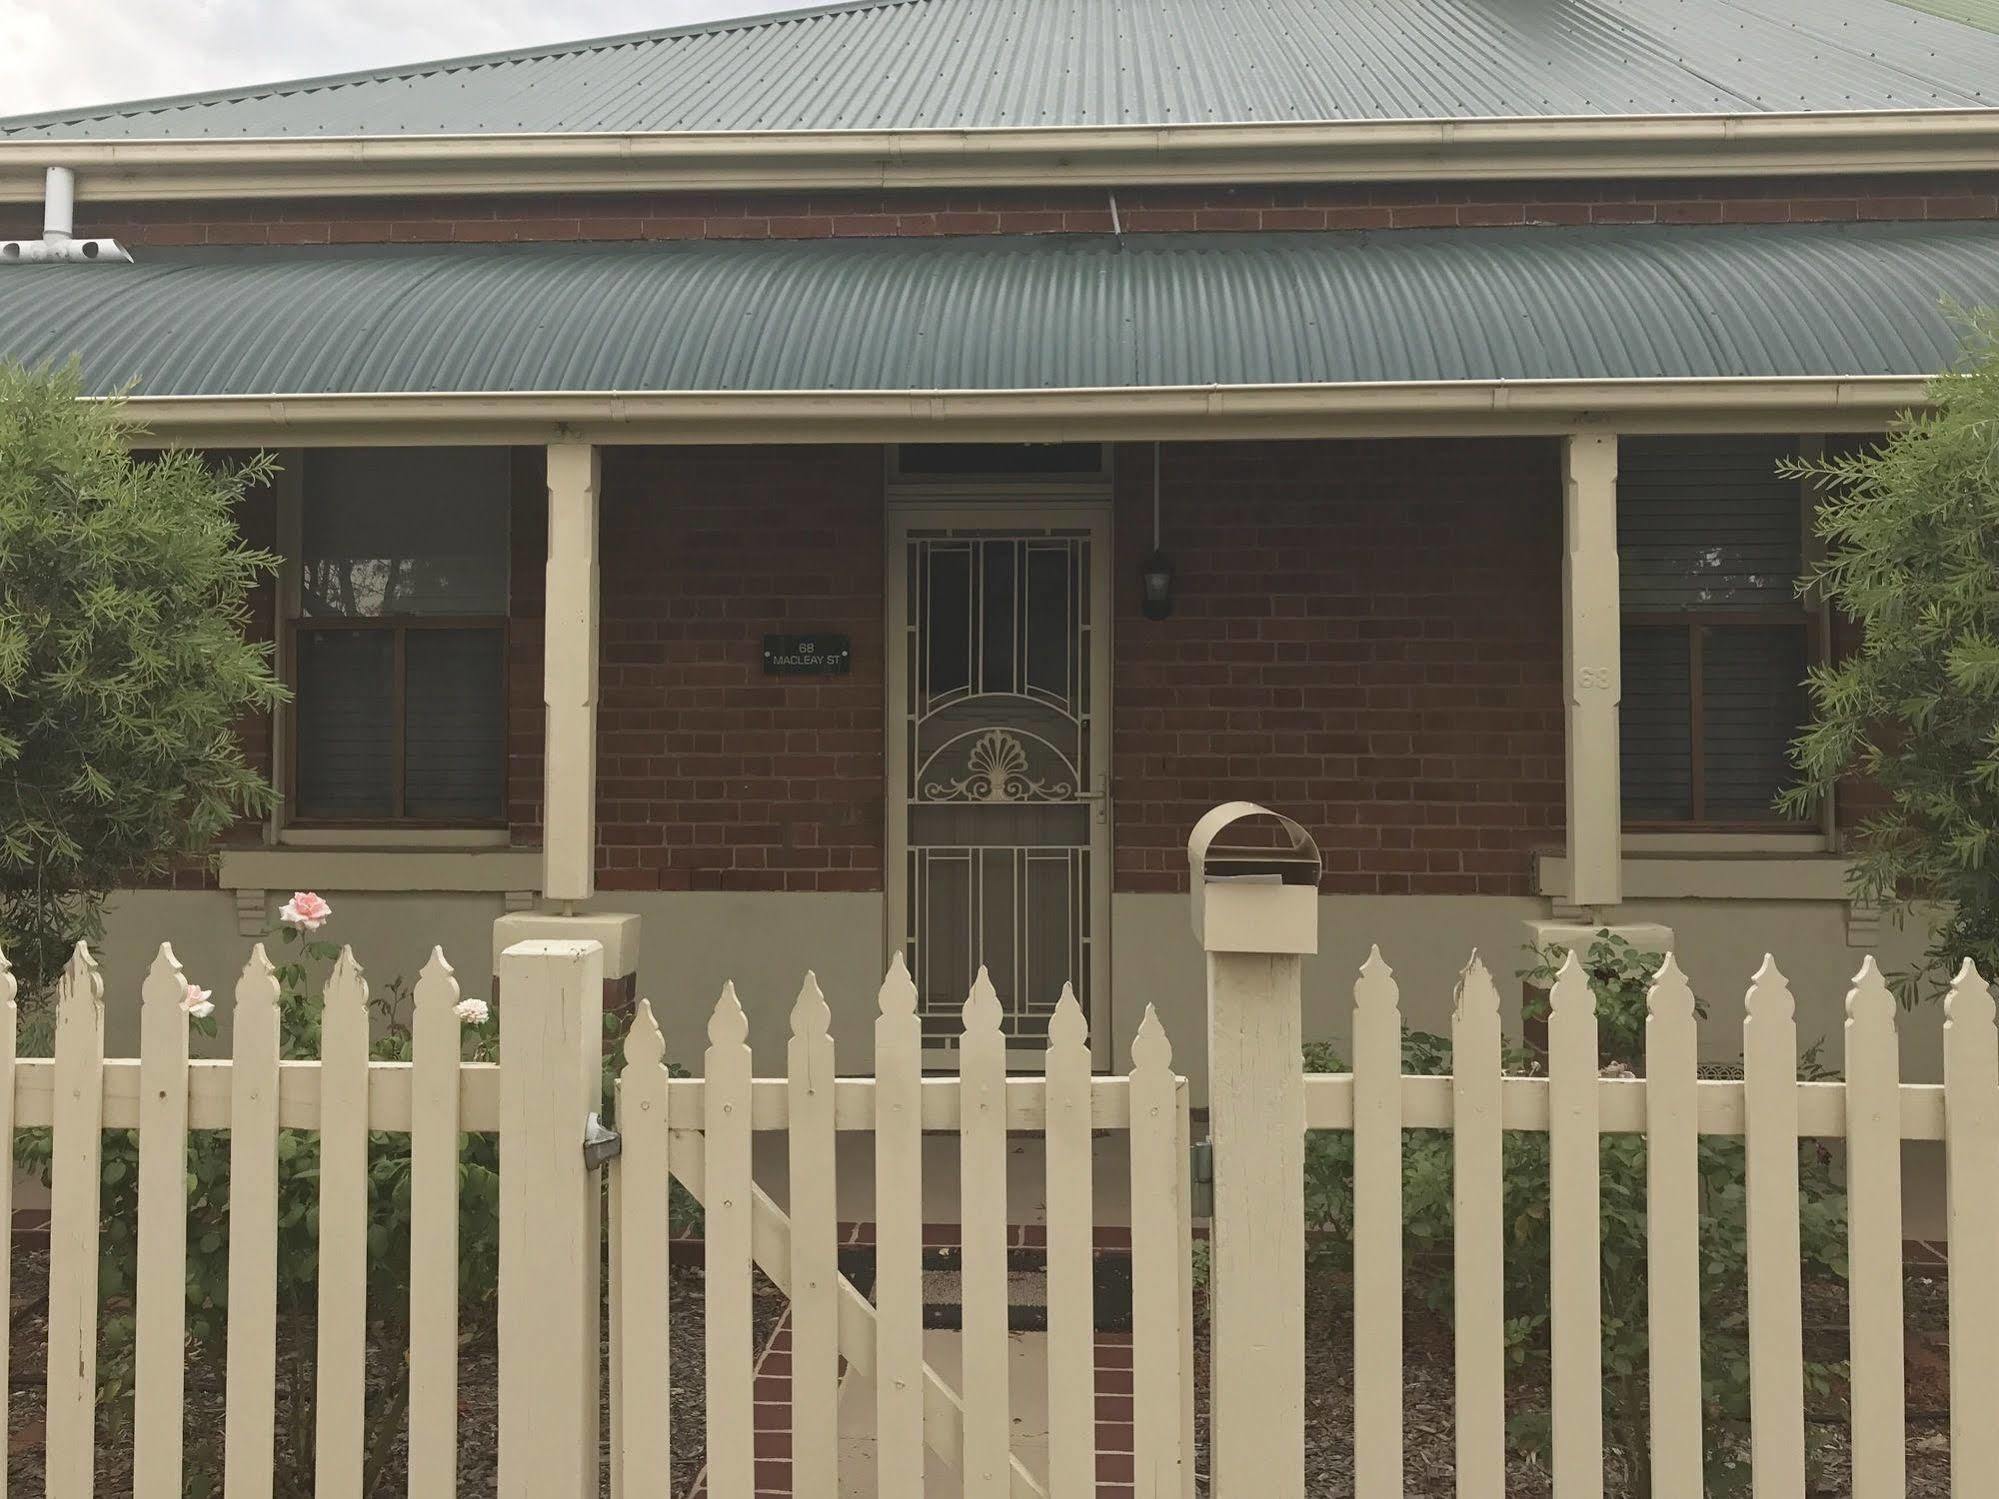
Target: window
1710,545
398,653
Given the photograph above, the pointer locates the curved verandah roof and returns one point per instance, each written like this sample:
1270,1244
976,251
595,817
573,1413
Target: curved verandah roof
1080,314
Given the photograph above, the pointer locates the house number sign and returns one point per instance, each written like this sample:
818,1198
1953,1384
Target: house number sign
807,655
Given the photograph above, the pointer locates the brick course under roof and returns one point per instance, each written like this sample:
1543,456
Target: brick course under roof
958,64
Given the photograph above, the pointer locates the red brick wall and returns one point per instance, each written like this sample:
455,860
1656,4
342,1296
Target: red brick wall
712,215
710,774
527,593
1366,635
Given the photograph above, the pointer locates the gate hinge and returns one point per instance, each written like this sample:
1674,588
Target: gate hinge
1201,1176
600,1143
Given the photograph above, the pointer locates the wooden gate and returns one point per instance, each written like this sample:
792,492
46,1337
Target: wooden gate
700,1131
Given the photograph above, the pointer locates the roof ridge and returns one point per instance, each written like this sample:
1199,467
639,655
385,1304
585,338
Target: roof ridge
535,53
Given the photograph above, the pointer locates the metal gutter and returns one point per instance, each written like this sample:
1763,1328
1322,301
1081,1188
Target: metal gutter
1169,413
1706,145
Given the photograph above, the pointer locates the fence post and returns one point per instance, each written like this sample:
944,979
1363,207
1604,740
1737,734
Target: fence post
1256,913
551,1056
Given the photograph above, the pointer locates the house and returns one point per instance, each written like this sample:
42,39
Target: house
865,479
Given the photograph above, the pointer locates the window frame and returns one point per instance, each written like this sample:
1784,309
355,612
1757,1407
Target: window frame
293,622
1810,615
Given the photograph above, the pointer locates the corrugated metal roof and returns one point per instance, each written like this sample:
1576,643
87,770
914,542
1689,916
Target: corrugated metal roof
1015,313
1980,13
916,64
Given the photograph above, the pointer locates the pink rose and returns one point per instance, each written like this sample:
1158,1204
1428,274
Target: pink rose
305,911
197,1003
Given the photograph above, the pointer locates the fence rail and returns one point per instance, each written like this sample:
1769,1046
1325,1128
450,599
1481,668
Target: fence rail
1671,1107
699,1131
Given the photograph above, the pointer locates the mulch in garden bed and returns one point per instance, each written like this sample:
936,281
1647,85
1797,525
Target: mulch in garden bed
1428,1411
478,1398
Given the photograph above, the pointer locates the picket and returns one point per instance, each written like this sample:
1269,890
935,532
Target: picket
1874,1235
641,1307
159,1351
249,1399
815,1268
983,1247
1072,1423
1377,1248
1971,1167
1673,1261
731,1360
1158,1174
436,1048
73,1230
899,1385
1776,1292
701,1132
9,1041
343,1233
1575,1310
1478,1233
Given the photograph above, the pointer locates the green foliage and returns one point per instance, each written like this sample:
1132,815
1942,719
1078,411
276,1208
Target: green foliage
1619,976
1911,531
123,663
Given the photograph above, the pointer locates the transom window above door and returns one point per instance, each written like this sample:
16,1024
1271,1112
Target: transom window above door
397,653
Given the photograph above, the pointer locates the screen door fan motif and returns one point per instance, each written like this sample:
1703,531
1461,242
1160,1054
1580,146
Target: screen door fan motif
1000,780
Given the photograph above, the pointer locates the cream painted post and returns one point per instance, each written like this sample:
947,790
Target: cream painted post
551,1047
569,675
1591,666
1256,913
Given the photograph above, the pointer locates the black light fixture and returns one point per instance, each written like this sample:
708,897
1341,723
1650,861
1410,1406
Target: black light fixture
1155,573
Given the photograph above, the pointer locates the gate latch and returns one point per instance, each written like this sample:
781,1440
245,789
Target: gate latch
1201,1176
600,1143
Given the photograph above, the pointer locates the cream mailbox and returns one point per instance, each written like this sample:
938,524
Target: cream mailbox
1258,899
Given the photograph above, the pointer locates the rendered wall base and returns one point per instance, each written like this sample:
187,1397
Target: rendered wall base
693,941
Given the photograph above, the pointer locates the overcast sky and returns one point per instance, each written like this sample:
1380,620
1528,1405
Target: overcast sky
56,53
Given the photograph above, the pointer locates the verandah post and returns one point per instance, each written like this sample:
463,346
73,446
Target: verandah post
1256,915
551,1056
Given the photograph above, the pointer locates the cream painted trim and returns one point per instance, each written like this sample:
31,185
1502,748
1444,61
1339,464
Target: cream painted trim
1706,145
1727,843
381,840
1744,877
1139,413
432,870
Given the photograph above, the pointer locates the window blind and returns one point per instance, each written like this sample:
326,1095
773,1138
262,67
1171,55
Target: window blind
401,711
1710,541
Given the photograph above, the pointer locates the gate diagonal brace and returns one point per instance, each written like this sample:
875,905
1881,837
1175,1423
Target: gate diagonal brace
770,1246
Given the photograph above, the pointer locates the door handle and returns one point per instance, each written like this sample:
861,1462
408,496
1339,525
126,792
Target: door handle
1101,797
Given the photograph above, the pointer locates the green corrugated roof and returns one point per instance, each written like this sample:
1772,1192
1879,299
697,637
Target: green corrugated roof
919,64
1014,313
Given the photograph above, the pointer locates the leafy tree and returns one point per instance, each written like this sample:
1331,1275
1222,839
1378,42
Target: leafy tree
123,662
1911,528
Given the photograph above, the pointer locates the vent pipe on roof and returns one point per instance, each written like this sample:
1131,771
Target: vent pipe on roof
58,242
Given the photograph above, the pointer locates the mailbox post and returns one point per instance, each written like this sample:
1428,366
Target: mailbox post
1256,914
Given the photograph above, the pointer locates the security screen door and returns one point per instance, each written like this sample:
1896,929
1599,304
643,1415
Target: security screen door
999,742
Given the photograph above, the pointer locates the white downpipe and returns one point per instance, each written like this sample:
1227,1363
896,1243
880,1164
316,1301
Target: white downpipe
58,242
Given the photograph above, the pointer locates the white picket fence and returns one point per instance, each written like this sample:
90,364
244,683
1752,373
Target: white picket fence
1870,1109
700,1129
162,1095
